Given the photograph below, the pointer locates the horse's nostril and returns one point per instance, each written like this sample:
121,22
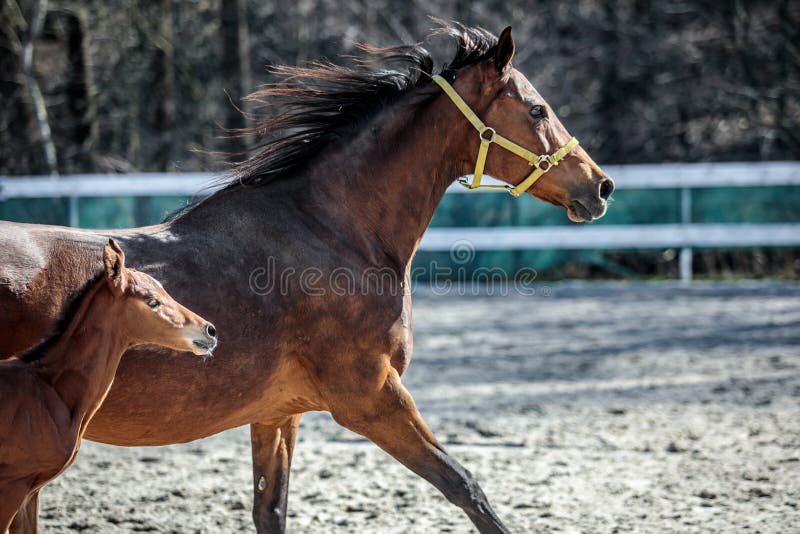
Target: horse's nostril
210,330
606,188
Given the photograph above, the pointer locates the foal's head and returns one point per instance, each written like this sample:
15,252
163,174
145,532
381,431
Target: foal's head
506,101
147,312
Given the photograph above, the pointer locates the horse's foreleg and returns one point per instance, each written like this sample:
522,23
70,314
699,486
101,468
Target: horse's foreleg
391,420
27,519
272,459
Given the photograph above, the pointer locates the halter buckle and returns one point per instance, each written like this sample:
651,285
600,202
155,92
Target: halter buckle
545,158
491,131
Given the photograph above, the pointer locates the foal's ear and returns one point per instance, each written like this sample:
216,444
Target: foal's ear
114,264
505,51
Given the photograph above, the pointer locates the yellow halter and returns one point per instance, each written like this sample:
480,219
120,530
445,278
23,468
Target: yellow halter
541,163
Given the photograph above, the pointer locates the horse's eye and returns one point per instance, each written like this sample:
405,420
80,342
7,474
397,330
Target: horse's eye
153,304
538,111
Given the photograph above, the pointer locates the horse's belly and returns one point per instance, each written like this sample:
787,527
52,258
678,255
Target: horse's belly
116,424
163,397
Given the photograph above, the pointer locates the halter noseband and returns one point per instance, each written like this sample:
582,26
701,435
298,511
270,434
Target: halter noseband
488,136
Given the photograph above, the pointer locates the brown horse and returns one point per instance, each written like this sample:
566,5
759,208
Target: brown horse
355,162
49,394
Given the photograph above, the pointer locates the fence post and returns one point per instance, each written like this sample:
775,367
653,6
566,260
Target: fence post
72,211
685,259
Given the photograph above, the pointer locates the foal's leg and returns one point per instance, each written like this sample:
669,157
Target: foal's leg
272,458
391,420
27,519
12,497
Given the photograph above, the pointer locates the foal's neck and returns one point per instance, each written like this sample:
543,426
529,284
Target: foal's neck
81,364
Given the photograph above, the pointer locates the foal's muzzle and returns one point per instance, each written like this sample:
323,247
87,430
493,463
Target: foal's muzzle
209,340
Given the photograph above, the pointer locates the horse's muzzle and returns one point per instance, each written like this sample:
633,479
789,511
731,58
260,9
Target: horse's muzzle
591,207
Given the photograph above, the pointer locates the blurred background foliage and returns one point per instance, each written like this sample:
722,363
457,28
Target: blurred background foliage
135,85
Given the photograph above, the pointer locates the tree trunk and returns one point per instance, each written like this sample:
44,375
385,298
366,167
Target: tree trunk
235,68
81,94
34,92
164,76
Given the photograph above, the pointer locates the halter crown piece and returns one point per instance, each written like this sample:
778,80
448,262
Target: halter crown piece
488,136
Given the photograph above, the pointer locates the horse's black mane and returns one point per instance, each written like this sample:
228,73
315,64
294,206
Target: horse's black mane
319,103
67,315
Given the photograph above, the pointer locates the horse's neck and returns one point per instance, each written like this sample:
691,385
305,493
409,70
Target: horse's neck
386,183
81,365
376,191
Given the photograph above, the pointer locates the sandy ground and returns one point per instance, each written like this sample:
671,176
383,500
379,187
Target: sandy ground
606,407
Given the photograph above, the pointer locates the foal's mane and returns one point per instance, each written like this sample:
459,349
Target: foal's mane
322,102
72,313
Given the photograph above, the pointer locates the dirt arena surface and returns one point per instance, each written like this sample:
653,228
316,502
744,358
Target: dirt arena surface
587,407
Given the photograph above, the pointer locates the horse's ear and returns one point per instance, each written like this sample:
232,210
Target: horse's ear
505,51
114,265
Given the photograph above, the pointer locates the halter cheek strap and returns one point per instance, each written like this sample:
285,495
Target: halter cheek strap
488,135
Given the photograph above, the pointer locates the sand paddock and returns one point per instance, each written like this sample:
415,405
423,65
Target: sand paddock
584,408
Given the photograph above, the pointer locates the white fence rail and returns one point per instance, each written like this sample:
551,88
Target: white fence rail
685,235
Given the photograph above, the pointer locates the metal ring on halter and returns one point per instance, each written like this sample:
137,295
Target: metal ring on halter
487,129
544,159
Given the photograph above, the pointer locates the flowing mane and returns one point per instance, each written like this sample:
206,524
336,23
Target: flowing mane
315,105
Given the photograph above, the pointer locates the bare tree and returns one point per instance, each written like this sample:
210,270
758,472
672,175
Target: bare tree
80,90
164,76
34,92
235,68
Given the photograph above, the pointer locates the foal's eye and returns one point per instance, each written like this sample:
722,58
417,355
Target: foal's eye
153,304
538,111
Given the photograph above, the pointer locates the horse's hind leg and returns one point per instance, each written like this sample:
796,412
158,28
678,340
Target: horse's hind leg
27,519
391,420
272,459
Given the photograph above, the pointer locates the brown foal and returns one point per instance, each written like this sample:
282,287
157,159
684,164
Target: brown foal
49,394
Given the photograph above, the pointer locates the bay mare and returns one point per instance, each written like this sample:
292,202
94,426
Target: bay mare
354,162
